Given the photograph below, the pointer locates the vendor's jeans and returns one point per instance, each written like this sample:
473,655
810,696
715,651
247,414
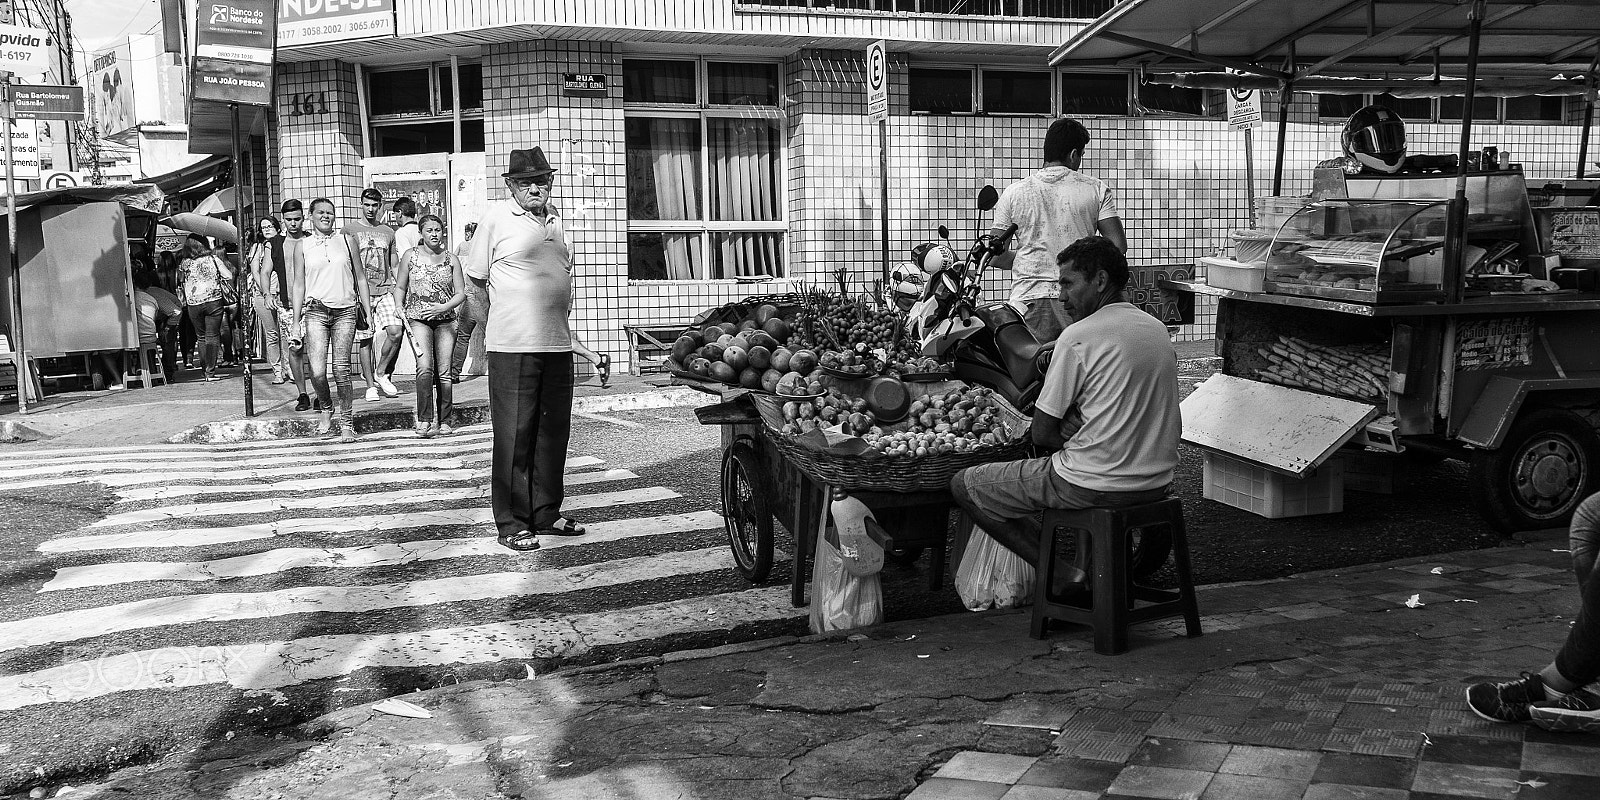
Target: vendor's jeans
329,334
1579,659
207,320
1004,498
473,312
432,343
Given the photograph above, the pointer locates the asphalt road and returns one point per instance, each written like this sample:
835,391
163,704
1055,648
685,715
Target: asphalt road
119,658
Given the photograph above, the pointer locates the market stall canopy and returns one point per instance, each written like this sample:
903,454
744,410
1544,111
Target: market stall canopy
193,182
203,225
1387,38
142,196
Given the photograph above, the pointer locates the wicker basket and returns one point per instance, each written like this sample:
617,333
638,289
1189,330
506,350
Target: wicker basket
929,473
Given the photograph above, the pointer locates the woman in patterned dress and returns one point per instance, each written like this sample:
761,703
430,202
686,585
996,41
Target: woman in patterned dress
428,289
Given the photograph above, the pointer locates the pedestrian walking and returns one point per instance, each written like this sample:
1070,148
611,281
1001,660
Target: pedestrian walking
202,278
520,254
1561,696
269,296
1052,208
294,221
380,258
328,293
471,314
429,288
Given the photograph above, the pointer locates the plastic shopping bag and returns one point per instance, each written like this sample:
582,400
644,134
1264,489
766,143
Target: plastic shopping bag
990,576
838,599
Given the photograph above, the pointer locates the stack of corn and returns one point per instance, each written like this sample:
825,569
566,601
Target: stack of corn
1358,372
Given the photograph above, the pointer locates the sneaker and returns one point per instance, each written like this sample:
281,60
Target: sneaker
387,386
303,403
115,387
1509,701
1574,712
277,375
372,394
445,430
425,430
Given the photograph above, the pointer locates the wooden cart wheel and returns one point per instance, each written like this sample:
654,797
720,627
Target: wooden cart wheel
1549,462
745,513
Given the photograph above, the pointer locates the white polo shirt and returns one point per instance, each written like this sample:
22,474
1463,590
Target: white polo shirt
529,271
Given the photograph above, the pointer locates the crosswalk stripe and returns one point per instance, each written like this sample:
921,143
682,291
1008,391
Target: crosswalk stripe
315,448
87,623
363,557
306,460
274,665
195,537
252,473
23,456
268,505
344,481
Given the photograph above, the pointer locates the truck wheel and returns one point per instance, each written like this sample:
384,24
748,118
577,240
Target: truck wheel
746,515
1549,463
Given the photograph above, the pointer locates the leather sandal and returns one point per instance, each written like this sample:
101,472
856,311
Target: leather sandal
563,527
522,541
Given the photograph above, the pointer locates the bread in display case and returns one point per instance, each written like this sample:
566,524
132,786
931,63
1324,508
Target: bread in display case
1360,250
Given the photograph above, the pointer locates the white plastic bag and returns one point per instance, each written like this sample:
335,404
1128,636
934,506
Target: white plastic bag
838,599
990,576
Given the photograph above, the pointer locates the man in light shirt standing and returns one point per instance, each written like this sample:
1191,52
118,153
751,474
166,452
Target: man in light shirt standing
1052,208
520,254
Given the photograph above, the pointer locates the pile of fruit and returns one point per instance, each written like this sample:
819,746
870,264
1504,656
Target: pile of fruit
752,353
1358,372
864,337
955,421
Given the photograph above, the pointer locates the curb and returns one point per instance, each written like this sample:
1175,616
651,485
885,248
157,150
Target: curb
12,432
232,431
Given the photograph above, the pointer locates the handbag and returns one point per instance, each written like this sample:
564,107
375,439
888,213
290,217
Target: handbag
230,291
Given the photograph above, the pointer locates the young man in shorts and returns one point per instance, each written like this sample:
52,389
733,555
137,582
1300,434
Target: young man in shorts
380,257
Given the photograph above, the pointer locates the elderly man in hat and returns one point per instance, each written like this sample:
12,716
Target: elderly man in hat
520,255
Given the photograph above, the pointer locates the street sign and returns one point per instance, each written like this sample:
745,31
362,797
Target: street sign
47,102
1244,108
234,44
61,180
24,50
877,82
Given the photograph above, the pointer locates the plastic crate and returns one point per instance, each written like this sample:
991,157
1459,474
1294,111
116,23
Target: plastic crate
1261,491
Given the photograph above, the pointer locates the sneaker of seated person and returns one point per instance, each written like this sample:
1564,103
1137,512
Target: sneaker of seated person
1510,701
1575,712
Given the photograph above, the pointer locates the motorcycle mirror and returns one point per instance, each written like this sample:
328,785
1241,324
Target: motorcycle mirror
944,233
987,198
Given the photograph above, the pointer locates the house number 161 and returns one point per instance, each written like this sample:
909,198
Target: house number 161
304,105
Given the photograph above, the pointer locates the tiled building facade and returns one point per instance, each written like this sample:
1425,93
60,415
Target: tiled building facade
1179,180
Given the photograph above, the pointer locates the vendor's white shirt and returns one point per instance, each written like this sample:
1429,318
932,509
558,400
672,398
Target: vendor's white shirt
1117,371
529,271
1051,208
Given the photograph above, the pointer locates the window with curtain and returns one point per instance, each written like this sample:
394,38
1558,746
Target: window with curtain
704,148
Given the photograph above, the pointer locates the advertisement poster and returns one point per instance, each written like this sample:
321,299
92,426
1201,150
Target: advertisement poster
111,83
429,190
311,21
24,148
237,30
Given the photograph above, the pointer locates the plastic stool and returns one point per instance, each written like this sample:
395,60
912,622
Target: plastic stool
1113,594
148,367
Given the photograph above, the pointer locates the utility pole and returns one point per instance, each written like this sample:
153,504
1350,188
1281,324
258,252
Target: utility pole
18,346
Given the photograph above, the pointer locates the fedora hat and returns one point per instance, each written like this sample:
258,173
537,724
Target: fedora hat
528,164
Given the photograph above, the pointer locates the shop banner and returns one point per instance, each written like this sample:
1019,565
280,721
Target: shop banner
311,21
237,30
111,82
25,51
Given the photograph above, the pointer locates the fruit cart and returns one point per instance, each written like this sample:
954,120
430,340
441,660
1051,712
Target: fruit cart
798,425
1434,307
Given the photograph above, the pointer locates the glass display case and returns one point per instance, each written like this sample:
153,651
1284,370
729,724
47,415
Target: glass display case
1361,250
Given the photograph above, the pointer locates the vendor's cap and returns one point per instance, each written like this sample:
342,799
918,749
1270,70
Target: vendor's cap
528,164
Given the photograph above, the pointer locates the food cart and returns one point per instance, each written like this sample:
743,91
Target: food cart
1382,314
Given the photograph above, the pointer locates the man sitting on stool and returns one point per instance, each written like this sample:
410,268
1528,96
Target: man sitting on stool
1109,410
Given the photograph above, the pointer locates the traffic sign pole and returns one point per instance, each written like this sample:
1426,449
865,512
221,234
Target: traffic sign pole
19,349
878,111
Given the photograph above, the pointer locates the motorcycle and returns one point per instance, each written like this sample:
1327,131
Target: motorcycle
986,345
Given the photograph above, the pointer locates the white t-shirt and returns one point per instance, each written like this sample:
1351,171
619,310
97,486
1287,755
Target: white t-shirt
1052,208
529,271
1116,370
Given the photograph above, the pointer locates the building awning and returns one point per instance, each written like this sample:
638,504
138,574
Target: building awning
1346,37
211,127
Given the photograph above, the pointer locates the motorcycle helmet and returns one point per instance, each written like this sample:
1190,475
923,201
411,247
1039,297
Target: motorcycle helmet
1376,137
931,257
905,285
